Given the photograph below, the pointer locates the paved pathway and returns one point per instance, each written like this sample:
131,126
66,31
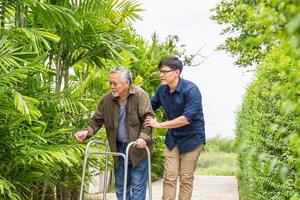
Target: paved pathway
205,188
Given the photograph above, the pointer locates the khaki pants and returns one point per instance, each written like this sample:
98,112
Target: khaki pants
182,166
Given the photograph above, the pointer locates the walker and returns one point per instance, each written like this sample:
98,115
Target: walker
108,153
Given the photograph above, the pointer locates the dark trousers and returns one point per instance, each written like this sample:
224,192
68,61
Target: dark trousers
136,179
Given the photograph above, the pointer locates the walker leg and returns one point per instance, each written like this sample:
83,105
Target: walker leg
86,155
126,170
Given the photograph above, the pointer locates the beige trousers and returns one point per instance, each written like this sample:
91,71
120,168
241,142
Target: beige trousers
182,166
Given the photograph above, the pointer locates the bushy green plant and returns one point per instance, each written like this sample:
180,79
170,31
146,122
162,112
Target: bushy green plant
267,34
267,126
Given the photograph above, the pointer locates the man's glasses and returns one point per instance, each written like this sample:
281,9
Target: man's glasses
164,72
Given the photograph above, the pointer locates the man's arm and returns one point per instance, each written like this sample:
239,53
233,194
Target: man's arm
144,110
155,102
94,125
191,110
175,123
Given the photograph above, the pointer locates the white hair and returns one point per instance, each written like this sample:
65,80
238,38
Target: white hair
124,72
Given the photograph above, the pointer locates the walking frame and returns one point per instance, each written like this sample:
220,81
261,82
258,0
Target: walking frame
107,153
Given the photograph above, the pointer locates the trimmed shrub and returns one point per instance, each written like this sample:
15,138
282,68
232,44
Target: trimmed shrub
268,127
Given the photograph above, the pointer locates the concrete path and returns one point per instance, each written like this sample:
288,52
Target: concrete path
205,188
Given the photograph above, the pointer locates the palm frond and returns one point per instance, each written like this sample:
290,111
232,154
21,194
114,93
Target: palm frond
129,9
123,10
11,78
39,37
7,190
26,105
53,15
11,56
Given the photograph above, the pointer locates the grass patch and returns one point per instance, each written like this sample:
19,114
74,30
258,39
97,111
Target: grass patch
217,163
218,158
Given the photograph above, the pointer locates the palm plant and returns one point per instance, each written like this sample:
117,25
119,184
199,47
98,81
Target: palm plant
42,42
54,58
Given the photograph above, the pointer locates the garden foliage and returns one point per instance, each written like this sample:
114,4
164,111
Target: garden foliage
54,61
266,34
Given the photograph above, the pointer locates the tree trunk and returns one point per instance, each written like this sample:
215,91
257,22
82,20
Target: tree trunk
66,194
44,192
58,73
66,76
24,17
2,15
17,15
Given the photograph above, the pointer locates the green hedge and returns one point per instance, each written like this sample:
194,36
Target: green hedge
268,127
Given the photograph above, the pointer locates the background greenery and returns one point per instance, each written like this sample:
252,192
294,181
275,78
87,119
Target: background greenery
54,60
266,34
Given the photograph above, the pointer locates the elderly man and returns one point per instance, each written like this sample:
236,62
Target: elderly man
123,111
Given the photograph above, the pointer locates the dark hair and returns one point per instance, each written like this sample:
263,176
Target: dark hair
172,62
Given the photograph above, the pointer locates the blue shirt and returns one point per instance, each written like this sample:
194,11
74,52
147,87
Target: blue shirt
121,134
184,101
